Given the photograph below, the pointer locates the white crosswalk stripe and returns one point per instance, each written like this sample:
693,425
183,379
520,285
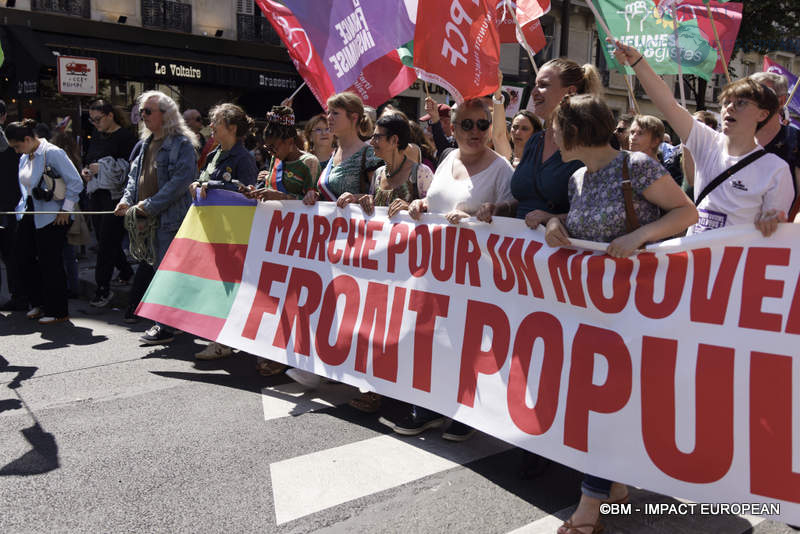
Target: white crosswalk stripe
313,482
285,400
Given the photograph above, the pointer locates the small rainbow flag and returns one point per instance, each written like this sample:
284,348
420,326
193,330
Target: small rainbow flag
197,281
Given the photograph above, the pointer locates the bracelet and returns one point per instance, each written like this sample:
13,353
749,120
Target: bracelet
637,61
497,101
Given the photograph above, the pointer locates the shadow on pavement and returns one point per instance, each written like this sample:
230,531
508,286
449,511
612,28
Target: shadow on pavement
61,335
43,456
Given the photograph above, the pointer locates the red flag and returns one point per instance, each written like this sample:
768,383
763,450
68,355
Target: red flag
378,82
304,56
458,48
528,13
727,18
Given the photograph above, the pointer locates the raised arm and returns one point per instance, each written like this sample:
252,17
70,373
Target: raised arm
658,91
499,133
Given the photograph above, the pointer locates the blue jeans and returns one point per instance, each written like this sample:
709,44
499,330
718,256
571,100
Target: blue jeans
596,487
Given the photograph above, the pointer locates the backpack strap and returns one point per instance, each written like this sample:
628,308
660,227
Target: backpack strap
631,219
727,174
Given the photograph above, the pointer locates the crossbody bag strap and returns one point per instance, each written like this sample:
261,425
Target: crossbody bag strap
727,174
631,219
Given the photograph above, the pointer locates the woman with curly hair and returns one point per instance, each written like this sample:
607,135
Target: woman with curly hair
291,172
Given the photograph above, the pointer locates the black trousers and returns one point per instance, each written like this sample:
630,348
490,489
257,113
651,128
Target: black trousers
141,280
7,238
110,231
40,263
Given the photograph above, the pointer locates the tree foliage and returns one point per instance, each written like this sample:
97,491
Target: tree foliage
769,25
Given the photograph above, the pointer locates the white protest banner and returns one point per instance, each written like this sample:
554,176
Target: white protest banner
675,370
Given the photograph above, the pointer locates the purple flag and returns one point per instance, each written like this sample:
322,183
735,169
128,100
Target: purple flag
777,68
349,34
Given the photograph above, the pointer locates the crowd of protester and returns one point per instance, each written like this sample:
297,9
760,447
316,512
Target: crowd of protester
568,167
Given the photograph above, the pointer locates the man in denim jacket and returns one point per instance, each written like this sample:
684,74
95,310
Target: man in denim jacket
163,165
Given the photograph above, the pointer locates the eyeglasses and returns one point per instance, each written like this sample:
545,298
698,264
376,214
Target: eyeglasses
95,120
377,136
739,104
320,131
147,111
469,124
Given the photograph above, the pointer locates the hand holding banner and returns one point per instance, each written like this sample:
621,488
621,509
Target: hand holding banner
487,324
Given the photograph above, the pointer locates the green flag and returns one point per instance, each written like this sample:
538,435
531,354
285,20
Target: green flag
2,56
638,23
406,53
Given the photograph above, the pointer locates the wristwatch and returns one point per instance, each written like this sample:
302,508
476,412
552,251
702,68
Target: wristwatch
497,101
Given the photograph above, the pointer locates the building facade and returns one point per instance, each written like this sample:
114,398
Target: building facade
200,52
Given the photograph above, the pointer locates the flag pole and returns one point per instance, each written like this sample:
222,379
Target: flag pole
791,94
680,61
521,35
719,44
603,25
297,91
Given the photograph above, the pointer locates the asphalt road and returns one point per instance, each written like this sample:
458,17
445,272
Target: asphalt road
100,434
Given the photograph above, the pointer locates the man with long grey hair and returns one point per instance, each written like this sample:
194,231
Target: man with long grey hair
163,165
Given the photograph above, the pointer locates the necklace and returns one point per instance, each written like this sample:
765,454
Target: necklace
390,173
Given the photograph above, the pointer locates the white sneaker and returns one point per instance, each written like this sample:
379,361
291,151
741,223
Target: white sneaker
34,313
214,351
304,378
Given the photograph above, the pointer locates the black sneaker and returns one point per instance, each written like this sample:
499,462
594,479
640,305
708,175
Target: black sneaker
130,316
412,424
157,335
458,432
101,298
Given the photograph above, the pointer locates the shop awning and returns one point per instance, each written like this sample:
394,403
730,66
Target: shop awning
173,65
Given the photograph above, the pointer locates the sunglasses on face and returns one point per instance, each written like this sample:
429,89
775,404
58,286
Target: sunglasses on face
147,111
468,124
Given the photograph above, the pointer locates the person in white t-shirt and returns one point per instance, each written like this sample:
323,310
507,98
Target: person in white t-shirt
472,180
761,192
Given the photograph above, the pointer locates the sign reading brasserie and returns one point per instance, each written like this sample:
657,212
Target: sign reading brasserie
77,75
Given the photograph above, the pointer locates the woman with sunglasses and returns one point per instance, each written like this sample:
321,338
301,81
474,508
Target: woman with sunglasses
396,184
540,180
40,238
582,127
761,192
321,142
106,174
353,162
472,180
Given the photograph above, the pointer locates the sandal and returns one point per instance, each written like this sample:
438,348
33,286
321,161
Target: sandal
270,368
368,402
568,528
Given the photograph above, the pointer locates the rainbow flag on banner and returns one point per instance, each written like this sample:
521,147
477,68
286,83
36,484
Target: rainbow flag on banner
197,281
